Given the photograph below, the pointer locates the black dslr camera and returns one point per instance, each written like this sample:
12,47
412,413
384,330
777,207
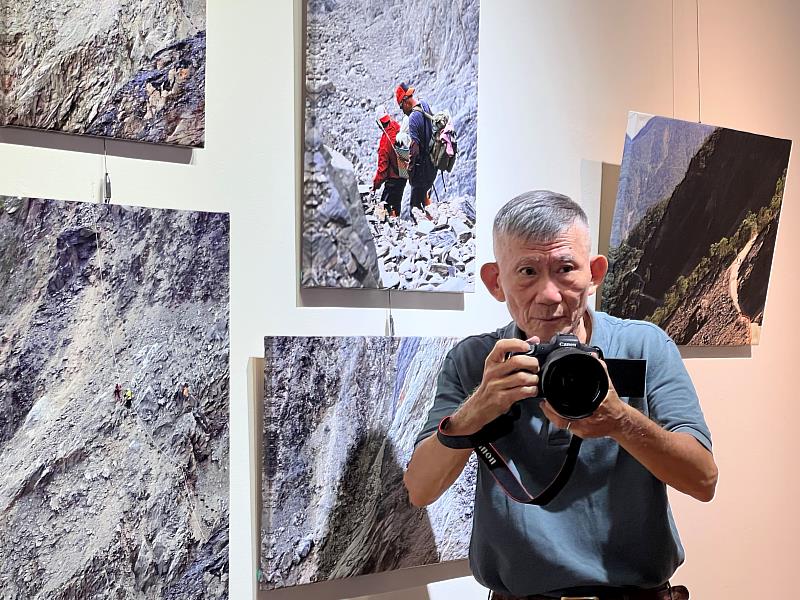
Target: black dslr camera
571,379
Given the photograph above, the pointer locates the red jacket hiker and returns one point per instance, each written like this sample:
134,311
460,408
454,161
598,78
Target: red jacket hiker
388,172
387,159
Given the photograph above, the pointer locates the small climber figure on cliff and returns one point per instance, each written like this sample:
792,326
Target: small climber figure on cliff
117,393
390,168
128,397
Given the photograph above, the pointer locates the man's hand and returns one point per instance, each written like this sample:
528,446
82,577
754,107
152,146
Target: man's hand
434,467
606,420
674,457
504,383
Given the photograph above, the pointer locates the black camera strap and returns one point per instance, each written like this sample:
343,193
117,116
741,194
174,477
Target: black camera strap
628,377
481,442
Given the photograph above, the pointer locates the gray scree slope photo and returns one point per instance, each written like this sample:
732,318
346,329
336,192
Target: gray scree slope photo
357,52
341,415
105,496
128,69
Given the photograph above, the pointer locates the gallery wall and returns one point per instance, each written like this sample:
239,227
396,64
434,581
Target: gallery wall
556,82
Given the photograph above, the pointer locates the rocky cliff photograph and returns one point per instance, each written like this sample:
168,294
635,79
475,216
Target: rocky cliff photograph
341,415
125,69
114,402
390,144
694,229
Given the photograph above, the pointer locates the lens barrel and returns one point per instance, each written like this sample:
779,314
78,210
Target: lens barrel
573,382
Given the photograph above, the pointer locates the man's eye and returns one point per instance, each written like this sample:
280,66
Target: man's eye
567,268
527,271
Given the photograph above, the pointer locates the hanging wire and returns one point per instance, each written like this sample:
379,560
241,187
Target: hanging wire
390,317
103,297
697,33
106,179
160,454
673,59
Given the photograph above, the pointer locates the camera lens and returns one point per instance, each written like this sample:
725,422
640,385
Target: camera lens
574,383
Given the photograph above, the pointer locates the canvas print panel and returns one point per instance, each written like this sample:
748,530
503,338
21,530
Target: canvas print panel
364,224
113,402
694,229
340,418
130,69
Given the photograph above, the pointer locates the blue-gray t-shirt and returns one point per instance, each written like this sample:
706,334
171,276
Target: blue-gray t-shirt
611,524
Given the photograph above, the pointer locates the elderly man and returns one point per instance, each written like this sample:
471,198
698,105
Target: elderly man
609,533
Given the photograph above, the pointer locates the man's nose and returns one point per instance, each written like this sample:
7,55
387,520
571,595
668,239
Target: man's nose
548,292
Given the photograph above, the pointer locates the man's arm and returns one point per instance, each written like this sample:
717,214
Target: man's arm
415,123
434,467
674,457
383,163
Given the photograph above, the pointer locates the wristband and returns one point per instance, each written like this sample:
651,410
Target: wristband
456,442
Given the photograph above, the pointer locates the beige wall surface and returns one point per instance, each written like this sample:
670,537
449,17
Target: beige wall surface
556,82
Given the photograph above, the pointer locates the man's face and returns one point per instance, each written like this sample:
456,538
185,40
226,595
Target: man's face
546,285
407,104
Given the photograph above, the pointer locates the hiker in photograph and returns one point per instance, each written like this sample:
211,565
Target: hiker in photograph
392,168
422,172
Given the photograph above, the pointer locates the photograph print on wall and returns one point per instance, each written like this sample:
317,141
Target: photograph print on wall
130,69
113,402
694,229
341,415
390,126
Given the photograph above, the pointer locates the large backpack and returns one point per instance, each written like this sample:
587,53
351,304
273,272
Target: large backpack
443,147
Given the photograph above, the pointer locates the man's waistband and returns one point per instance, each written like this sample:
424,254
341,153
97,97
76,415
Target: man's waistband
664,592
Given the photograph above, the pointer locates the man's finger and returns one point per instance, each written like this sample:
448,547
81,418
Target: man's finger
554,417
605,368
503,347
518,379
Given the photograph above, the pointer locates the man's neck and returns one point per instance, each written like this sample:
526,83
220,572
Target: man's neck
584,328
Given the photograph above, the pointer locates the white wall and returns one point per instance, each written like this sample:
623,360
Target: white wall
556,81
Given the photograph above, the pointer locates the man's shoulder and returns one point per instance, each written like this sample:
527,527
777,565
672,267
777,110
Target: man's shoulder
631,325
629,335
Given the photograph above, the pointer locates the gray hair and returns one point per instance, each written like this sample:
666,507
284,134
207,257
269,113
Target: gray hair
538,216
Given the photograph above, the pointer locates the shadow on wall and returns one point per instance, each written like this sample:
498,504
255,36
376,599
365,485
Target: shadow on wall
373,533
373,527
53,140
327,297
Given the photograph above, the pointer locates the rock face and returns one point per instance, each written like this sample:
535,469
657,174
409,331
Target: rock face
101,498
356,54
338,250
340,419
653,165
130,69
709,243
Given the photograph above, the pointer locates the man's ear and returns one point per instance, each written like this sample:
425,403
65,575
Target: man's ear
598,265
490,274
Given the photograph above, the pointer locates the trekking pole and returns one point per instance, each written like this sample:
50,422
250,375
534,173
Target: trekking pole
435,193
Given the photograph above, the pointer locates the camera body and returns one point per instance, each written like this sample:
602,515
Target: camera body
570,377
